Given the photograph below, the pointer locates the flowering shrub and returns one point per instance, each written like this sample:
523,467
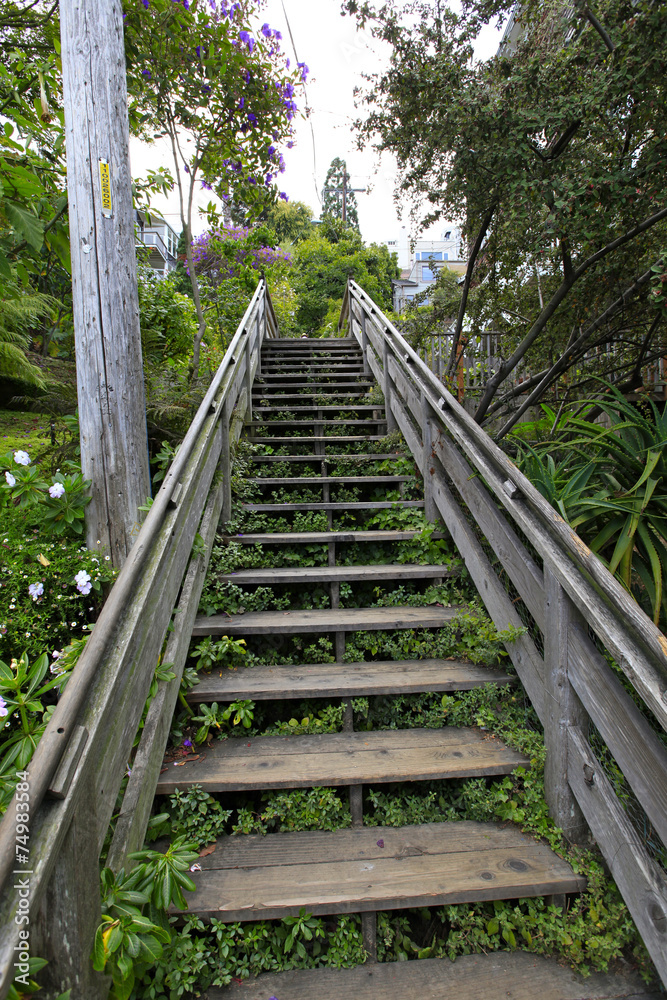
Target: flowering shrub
63,502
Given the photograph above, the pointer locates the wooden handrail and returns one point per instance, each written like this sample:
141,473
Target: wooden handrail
571,594
118,662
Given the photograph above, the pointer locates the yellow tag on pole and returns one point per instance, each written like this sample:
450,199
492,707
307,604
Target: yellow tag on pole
105,185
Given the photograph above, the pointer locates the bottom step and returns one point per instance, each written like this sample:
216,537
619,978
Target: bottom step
518,975
374,868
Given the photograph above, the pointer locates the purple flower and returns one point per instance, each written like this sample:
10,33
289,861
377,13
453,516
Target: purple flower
266,31
284,196
146,72
36,590
252,118
186,168
304,70
246,37
83,582
241,103
57,490
3,707
187,743
146,3
206,185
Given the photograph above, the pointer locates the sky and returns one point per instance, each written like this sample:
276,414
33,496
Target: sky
337,55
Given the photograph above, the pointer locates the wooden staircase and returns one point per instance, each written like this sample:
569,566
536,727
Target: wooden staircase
310,397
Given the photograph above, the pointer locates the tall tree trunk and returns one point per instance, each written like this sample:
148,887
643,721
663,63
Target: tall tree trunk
110,379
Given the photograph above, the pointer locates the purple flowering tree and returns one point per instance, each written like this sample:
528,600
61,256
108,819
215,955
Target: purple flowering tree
212,78
228,261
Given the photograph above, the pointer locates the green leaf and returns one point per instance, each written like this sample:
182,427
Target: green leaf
25,224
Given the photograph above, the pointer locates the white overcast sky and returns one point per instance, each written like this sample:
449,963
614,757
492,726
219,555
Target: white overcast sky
337,56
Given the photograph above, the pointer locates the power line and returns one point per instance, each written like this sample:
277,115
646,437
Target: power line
308,109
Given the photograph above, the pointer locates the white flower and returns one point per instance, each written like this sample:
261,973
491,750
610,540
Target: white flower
82,580
22,458
3,707
10,479
56,490
56,654
36,590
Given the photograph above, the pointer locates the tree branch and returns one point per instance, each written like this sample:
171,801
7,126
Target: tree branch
555,301
592,20
567,359
486,222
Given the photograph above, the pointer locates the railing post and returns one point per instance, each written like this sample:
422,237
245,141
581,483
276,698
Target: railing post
364,344
226,464
386,387
248,375
69,914
428,468
562,710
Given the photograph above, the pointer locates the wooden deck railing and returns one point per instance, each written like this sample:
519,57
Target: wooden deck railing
77,770
577,612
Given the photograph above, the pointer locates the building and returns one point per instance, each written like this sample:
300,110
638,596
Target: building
421,262
153,233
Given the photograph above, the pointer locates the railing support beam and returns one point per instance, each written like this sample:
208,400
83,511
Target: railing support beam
562,710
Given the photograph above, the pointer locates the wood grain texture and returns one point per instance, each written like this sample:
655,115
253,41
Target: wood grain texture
327,680
417,866
525,657
327,620
342,759
327,480
641,881
332,505
516,976
562,710
132,821
635,747
317,537
329,574
521,568
110,382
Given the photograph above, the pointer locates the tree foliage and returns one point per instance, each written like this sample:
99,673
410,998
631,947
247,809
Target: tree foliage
553,155
217,85
323,263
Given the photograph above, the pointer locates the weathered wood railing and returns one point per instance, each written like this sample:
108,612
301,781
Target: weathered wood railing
50,906
574,603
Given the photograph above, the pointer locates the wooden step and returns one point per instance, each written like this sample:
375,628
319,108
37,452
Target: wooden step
517,975
272,508
363,385
319,439
276,378
330,459
325,620
319,421
336,407
397,572
322,537
327,480
334,759
330,680
373,868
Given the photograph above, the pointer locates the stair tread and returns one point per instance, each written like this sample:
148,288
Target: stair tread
320,420
519,975
251,878
332,505
329,574
324,680
327,439
322,406
325,480
315,537
325,620
363,457
349,758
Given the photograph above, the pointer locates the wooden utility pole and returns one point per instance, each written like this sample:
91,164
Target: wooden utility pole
344,189
110,380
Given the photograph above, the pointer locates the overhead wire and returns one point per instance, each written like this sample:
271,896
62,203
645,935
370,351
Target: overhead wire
308,108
